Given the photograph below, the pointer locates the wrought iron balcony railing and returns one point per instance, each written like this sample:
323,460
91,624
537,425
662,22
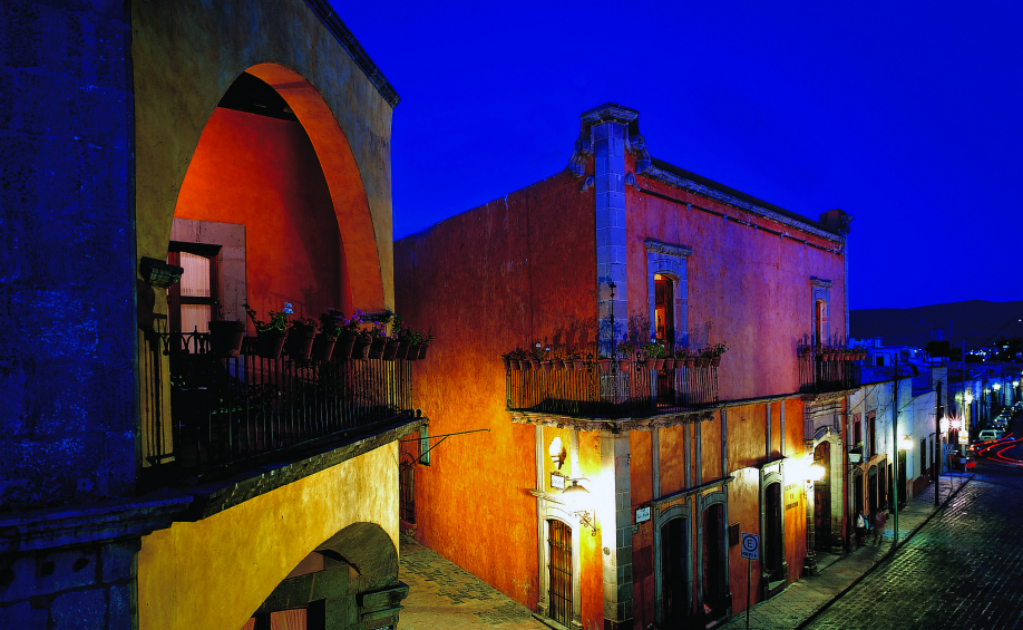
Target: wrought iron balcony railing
611,389
820,374
227,410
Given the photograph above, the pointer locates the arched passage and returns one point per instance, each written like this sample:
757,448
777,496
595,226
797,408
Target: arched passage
350,578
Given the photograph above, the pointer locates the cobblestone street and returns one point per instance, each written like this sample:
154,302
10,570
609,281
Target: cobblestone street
963,569
442,596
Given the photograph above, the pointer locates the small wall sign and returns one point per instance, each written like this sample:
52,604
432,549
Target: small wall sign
557,481
642,515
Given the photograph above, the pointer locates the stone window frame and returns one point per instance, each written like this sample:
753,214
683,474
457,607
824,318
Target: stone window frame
682,510
820,292
670,261
230,237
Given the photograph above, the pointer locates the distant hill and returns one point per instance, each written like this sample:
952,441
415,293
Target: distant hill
980,322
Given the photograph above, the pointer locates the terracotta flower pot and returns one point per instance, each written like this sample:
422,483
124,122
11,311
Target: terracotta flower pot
323,347
534,364
605,364
403,346
623,364
656,364
669,364
547,365
300,343
376,347
716,360
578,365
413,352
422,350
345,343
690,362
226,339
514,364
390,349
270,343
507,363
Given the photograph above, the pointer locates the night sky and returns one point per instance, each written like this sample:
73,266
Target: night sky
905,115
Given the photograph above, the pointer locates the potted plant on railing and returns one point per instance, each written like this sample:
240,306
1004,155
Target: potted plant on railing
345,331
404,336
625,353
332,327
510,360
715,352
804,351
226,337
684,358
654,352
270,334
557,361
422,339
300,338
574,359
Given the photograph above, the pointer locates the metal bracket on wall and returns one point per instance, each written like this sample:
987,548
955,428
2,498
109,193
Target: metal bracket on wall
442,438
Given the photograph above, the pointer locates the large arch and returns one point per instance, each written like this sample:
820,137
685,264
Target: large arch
186,54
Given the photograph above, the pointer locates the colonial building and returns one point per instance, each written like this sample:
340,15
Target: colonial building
613,489
165,164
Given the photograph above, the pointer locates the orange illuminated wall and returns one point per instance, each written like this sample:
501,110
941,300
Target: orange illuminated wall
262,172
510,273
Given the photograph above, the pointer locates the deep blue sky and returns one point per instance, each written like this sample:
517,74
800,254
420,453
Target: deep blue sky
905,115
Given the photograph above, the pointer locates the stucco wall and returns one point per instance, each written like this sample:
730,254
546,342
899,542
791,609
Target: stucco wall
216,572
747,288
513,272
185,56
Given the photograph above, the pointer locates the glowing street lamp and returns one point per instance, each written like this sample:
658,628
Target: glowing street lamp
906,443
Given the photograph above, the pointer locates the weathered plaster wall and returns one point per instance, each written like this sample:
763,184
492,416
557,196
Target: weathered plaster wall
263,173
513,272
216,572
67,253
747,288
186,54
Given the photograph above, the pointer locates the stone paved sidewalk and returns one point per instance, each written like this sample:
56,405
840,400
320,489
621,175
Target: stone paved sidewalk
443,596
799,602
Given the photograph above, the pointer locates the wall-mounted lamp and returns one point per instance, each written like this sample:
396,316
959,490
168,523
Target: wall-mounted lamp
814,472
557,453
997,386
1015,383
576,497
906,443
157,273
943,425
969,398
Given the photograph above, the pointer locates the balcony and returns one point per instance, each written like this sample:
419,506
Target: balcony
229,411
610,390
827,372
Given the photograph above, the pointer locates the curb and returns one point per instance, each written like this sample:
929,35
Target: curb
888,556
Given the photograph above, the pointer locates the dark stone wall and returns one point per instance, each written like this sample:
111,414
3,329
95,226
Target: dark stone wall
77,589
67,252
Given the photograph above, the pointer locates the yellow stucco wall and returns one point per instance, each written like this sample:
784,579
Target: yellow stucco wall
216,572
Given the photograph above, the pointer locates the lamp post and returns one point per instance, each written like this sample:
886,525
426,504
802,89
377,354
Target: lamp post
811,472
905,444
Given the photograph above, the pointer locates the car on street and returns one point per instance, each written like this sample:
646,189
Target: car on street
961,462
990,435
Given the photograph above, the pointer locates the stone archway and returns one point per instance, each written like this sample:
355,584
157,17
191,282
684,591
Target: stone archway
348,581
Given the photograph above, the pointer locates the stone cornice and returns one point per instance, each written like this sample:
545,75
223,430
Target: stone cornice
819,283
667,248
683,183
326,13
606,112
616,425
816,399
686,492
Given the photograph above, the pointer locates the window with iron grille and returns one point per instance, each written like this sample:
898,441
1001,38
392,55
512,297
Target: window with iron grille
407,489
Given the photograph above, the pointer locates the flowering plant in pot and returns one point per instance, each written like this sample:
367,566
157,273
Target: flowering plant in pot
540,357
654,351
271,333
300,338
684,358
714,353
419,343
574,359
226,337
337,331
625,353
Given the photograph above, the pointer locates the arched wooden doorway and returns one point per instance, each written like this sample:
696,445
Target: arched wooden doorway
675,592
822,497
